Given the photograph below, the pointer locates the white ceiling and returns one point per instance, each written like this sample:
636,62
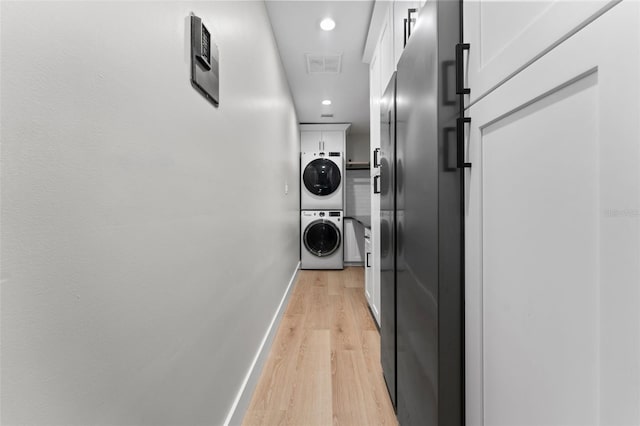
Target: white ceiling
296,26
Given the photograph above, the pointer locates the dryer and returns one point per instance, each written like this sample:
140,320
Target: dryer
322,181
321,239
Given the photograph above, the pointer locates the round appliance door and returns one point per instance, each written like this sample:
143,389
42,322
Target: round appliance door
322,238
321,176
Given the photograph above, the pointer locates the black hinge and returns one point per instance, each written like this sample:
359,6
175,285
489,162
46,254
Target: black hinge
460,89
460,135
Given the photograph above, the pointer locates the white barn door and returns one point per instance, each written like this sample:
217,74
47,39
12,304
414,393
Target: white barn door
553,225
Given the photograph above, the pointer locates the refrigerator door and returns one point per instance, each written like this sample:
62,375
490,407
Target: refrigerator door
428,223
387,238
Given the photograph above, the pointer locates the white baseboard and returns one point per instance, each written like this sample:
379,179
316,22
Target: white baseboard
243,398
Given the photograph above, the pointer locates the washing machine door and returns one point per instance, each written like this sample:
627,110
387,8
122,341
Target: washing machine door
322,238
321,176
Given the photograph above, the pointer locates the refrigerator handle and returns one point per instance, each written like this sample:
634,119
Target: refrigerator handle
460,122
376,157
376,184
367,261
460,89
405,33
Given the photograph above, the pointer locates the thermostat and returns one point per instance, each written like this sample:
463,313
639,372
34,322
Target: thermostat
204,61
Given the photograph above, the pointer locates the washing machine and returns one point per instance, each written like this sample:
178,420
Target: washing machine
322,242
322,181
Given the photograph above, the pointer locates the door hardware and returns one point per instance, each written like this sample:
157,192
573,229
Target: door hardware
460,89
410,21
405,33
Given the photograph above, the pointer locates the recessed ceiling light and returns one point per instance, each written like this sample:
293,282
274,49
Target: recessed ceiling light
327,24
326,102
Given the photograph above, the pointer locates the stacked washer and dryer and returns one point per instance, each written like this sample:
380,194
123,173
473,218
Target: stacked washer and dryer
322,192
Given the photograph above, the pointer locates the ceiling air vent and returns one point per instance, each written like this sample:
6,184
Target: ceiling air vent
323,64
326,115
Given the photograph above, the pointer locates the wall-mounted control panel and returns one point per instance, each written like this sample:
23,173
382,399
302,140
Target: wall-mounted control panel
204,62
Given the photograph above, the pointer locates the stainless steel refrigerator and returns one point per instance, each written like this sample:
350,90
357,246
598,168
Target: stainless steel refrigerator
421,225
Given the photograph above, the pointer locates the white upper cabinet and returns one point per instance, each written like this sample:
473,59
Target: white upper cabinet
553,217
507,36
333,140
323,137
311,141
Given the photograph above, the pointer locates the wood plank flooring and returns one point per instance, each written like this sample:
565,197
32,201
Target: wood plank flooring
324,365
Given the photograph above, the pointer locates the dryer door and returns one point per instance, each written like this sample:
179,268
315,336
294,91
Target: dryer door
322,238
321,176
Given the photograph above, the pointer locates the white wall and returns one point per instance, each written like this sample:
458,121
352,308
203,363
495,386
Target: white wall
358,147
146,236
358,193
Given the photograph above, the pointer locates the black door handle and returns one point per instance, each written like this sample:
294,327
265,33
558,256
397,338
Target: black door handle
376,184
405,33
367,261
376,157
460,89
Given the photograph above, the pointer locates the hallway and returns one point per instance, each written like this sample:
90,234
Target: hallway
182,182
324,365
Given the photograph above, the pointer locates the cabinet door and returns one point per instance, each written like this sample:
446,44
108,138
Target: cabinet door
553,236
367,277
333,141
375,300
310,141
507,36
368,283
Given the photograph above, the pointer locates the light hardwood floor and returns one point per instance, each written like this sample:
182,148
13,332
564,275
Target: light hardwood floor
324,365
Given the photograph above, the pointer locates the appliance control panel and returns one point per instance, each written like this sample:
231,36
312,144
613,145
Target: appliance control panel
309,213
